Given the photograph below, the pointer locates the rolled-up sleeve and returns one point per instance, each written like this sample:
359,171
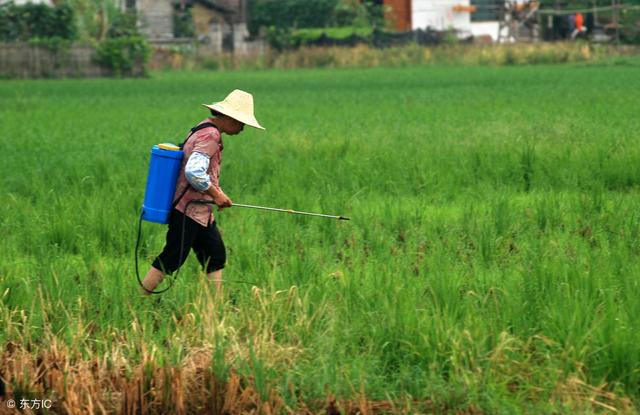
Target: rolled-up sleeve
196,171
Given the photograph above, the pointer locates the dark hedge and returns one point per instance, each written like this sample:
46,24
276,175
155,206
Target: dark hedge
36,21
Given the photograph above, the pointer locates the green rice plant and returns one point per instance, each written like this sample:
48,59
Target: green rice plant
490,264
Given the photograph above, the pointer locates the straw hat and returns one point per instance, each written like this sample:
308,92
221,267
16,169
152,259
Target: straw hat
239,106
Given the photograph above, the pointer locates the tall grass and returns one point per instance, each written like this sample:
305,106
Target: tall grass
491,264
364,56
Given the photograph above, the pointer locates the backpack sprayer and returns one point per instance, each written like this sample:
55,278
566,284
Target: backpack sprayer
162,179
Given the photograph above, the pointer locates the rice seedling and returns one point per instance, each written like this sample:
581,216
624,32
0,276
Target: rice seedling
490,265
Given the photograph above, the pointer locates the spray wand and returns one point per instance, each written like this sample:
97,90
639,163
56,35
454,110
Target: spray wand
295,212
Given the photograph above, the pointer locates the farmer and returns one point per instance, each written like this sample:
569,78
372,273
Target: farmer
199,180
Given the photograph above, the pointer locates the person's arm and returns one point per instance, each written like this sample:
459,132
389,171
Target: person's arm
220,199
196,173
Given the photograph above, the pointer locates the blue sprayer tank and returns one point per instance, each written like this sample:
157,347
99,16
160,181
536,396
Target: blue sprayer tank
164,167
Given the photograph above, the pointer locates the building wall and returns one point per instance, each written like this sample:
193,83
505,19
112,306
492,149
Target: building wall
156,18
216,30
239,8
485,29
439,15
23,60
203,18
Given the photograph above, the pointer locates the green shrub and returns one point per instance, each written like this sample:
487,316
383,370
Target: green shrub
21,23
280,38
123,25
183,25
303,14
125,56
210,64
54,44
285,14
285,38
450,37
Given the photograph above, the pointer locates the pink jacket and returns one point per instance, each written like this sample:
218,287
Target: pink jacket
207,141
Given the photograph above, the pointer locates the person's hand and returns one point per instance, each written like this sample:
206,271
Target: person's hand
222,201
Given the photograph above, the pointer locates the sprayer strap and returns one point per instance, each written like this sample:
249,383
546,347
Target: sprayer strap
175,202
195,130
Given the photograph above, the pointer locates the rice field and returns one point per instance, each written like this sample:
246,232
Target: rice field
491,264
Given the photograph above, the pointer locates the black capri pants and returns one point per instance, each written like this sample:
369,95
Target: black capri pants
205,241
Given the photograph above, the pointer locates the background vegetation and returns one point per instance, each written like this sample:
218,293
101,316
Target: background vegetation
490,267
364,56
102,24
36,21
283,22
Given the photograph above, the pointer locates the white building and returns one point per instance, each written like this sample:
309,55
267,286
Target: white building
440,15
468,17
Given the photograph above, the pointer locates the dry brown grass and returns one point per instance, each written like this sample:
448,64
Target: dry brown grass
363,56
132,378
93,386
112,384
575,393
